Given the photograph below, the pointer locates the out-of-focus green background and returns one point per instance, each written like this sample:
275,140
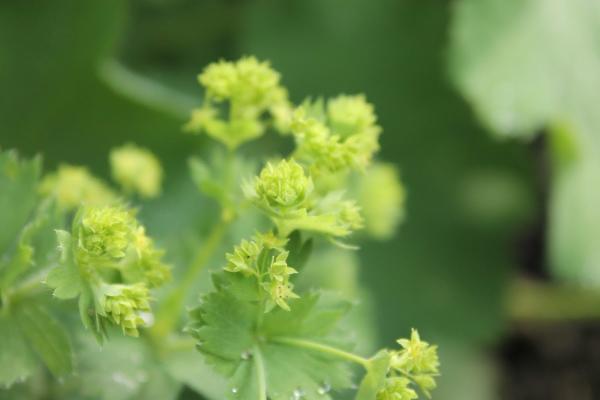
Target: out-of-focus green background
66,91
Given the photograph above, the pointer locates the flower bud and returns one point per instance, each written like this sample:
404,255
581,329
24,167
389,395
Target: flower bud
102,233
136,170
283,186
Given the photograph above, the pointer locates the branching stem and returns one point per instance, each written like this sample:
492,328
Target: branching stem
168,315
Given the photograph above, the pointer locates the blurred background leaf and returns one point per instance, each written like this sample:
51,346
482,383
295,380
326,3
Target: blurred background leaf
530,65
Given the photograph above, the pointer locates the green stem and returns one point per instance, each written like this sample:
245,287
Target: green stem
168,315
260,373
146,91
322,348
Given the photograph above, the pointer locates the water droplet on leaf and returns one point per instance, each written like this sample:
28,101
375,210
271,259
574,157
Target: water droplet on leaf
324,389
297,394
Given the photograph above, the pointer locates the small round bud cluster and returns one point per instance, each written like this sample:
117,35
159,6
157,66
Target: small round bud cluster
148,266
416,362
264,257
344,137
248,82
283,186
122,304
73,186
280,289
252,89
103,233
351,115
118,263
137,170
350,216
381,197
284,192
397,388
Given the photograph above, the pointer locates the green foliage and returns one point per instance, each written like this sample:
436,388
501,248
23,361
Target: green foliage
28,332
108,246
532,65
248,345
292,351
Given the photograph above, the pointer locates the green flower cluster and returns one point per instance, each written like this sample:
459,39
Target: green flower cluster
73,186
342,138
109,262
137,170
285,193
417,363
103,234
122,305
252,91
381,197
265,258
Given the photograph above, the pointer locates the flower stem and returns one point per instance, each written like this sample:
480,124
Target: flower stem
260,374
322,348
168,315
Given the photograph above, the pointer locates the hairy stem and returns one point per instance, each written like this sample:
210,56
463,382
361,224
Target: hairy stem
323,348
168,315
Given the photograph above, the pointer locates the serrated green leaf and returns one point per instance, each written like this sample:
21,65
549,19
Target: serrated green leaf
186,367
47,337
18,192
375,378
243,344
123,368
33,250
65,278
16,360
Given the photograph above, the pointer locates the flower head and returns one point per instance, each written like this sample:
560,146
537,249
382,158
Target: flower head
137,170
122,304
350,115
283,186
263,258
397,388
416,356
418,360
252,89
73,186
103,233
344,137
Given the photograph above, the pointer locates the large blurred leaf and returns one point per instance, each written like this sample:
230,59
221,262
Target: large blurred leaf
16,361
526,62
47,337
